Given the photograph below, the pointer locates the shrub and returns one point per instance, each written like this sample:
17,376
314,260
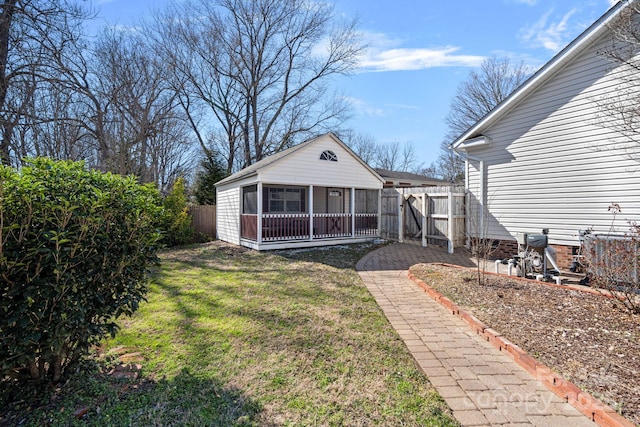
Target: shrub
75,249
613,262
176,222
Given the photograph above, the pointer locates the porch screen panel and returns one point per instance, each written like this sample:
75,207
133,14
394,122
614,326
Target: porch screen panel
250,200
249,220
284,214
284,200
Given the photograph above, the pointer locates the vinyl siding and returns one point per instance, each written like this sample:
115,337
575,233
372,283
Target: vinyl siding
304,167
551,162
301,167
228,214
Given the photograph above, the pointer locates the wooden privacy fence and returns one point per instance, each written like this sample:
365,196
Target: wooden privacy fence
431,215
203,219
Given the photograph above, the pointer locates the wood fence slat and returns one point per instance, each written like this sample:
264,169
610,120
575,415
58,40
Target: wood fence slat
442,213
203,219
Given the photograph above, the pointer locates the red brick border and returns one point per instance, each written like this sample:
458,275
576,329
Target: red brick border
596,410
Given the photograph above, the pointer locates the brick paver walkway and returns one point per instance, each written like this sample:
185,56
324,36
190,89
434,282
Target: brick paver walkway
482,386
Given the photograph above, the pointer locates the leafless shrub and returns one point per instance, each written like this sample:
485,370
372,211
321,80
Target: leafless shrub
481,247
612,262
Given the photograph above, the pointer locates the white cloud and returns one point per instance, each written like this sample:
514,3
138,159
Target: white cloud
550,35
612,2
364,108
386,54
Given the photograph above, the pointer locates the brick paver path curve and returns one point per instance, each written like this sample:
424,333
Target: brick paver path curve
482,386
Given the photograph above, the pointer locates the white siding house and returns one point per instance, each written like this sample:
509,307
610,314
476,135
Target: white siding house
545,158
316,193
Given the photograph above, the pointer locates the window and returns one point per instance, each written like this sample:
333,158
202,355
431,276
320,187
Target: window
329,155
285,200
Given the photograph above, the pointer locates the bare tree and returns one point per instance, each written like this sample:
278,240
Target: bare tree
476,96
448,166
33,33
482,91
365,146
50,127
111,105
390,156
261,68
108,102
145,126
619,109
397,157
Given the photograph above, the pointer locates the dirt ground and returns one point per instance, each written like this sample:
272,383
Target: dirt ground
588,339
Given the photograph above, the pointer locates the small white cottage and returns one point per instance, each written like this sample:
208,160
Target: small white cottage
544,158
316,193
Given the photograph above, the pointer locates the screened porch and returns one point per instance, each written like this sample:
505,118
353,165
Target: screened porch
275,213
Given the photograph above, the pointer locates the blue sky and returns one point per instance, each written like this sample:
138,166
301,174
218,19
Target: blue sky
420,51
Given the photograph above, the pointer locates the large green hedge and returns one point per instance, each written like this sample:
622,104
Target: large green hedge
75,249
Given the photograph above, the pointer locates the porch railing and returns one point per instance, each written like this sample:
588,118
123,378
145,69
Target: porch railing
279,227
331,225
366,224
285,227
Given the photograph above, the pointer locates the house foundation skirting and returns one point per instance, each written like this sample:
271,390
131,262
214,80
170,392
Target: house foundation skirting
292,244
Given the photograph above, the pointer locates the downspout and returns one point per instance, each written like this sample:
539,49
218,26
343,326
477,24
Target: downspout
466,156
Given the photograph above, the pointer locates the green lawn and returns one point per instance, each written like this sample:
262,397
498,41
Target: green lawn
233,337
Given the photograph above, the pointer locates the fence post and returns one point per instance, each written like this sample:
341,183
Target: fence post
400,217
425,214
379,212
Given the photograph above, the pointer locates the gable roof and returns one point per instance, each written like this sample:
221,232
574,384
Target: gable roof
385,173
253,169
558,62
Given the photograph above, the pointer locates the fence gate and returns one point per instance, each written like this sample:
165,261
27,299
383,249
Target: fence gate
433,215
390,214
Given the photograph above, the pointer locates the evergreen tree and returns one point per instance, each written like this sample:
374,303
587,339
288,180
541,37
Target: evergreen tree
211,171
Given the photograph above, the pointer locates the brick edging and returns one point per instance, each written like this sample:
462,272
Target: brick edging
593,408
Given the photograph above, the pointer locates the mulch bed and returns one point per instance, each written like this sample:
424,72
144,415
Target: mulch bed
589,339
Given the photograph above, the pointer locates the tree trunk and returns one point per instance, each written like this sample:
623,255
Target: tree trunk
6,18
